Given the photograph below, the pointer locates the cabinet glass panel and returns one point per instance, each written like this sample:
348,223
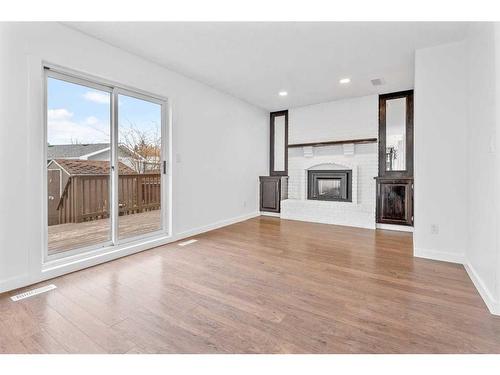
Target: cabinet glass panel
279,143
396,134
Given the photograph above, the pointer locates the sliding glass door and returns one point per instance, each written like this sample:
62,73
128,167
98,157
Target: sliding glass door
140,171
106,165
78,164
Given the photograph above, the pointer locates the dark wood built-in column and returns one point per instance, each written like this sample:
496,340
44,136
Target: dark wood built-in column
274,188
395,176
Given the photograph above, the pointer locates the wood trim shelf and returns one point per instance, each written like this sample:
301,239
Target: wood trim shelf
329,143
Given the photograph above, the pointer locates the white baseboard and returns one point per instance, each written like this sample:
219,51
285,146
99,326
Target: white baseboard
400,228
216,225
50,271
488,298
342,224
273,214
439,255
14,283
484,292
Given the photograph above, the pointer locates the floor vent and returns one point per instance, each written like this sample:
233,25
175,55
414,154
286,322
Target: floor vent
187,242
33,292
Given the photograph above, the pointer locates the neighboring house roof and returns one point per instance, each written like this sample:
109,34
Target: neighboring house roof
79,167
74,150
83,151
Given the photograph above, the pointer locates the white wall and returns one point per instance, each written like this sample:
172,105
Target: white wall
440,170
497,144
482,253
457,175
221,141
338,120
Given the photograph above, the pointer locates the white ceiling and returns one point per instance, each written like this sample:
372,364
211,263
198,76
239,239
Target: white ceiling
254,61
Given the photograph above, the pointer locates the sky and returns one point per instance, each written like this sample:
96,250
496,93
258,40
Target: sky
80,114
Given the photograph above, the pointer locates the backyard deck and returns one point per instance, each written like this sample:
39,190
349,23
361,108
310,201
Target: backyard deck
64,237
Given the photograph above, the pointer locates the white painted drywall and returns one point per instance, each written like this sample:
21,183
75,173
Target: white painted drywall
482,251
221,143
497,143
457,175
440,170
338,120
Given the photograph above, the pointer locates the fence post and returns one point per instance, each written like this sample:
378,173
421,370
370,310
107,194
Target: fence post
78,199
139,193
72,217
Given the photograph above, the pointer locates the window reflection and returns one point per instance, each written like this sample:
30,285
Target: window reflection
395,128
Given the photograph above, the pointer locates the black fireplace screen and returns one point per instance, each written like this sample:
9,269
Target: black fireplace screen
335,185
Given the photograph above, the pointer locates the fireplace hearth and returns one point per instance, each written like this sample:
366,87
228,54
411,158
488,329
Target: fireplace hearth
329,185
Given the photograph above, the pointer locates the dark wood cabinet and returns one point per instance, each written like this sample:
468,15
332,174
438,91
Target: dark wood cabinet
395,201
273,189
395,172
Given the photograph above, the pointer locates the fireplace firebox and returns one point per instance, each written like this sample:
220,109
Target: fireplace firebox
329,185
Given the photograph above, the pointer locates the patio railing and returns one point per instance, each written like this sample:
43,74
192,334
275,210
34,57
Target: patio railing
86,197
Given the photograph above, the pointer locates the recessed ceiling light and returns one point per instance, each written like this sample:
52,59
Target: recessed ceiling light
345,80
282,93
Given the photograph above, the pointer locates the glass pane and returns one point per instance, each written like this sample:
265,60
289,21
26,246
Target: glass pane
395,128
139,154
78,166
279,143
394,203
329,188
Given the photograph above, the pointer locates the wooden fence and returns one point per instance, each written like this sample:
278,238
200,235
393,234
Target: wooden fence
86,197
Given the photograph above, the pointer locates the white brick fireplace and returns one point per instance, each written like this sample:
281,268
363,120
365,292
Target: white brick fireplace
361,159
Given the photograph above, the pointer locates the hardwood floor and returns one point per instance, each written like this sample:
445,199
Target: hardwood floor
261,286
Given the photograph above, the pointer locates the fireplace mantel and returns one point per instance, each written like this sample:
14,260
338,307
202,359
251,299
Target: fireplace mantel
330,143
